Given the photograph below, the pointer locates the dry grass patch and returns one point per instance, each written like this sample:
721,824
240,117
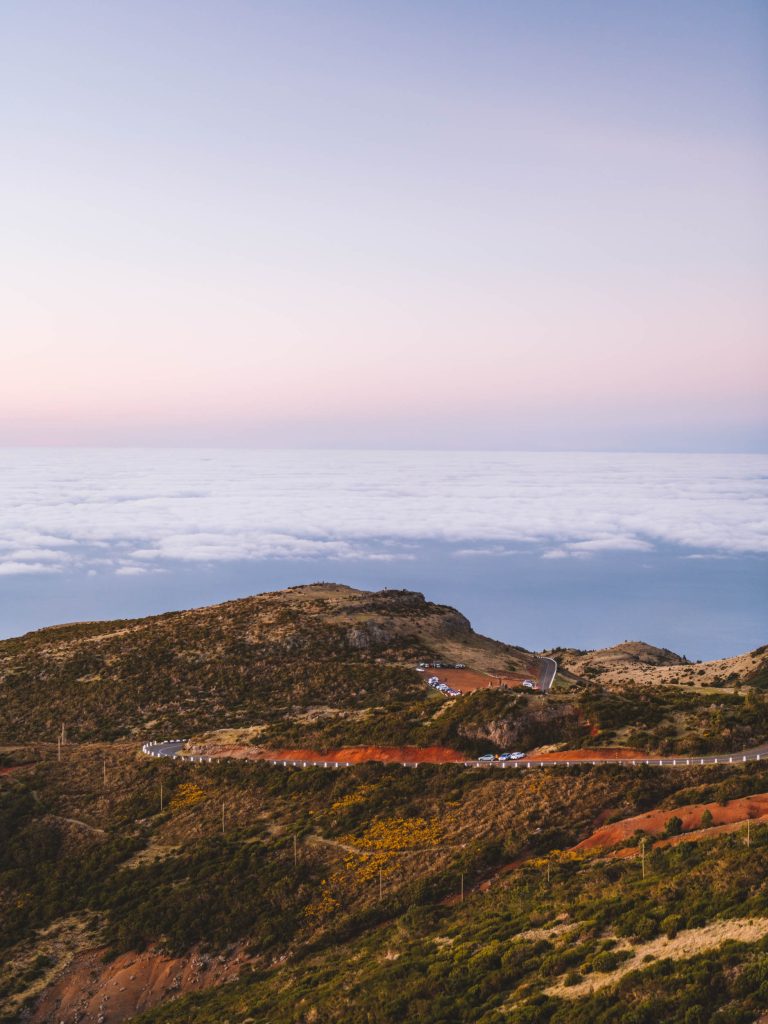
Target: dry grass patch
684,945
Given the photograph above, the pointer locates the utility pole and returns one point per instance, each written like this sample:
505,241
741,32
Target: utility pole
547,871
58,748
748,832
642,853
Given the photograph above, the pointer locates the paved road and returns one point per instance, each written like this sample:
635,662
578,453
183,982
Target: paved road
172,748
548,673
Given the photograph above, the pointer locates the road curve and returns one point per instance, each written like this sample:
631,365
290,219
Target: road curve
548,673
173,748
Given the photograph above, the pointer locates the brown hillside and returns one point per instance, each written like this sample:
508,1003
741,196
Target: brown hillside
237,663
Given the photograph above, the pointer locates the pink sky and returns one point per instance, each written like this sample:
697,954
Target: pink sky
469,228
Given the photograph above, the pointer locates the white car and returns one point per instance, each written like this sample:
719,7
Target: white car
529,684
516,755
487,757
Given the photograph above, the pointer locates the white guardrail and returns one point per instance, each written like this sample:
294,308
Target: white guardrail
172,749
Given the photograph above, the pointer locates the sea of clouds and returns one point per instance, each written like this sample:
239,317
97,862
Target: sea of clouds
132,511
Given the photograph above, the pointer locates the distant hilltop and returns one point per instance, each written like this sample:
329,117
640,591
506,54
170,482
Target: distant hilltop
310,654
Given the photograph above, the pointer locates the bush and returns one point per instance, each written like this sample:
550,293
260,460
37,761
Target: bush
606,961
674,826
670,925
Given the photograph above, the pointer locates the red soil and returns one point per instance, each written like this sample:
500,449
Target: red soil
734,812
466,680
88,990
357,755
394,755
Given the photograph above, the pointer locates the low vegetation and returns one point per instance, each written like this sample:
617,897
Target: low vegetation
436,895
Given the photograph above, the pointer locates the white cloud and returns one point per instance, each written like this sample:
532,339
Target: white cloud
149,507
26,568
616,543
495,551
38,554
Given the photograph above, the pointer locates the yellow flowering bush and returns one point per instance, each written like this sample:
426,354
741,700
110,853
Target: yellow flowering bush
383,840
353,799
188,794
324,906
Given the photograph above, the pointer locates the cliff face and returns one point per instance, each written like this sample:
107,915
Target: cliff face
532,724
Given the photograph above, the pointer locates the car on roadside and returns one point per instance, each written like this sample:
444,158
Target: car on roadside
487,757
529,684
516,755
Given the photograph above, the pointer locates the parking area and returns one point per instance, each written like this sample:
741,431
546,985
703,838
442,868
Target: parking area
465,680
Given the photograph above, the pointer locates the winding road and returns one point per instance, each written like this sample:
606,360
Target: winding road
548,674
173,749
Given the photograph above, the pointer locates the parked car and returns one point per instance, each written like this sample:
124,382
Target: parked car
517,755
505,757
529,684
487,757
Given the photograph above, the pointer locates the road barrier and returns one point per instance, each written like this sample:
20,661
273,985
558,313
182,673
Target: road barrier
172,749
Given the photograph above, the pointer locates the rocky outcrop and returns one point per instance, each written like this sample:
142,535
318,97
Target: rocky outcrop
528,725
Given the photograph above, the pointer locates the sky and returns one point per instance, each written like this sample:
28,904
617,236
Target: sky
458,225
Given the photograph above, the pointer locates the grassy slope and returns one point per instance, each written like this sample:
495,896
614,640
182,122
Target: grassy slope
260,658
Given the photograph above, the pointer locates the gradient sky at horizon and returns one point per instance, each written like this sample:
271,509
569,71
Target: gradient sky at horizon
457,225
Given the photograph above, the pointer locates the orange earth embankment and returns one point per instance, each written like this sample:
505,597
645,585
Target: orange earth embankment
735,812
357,755
432,755
91,991
394,755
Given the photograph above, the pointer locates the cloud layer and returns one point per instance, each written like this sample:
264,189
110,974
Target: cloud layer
131,511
